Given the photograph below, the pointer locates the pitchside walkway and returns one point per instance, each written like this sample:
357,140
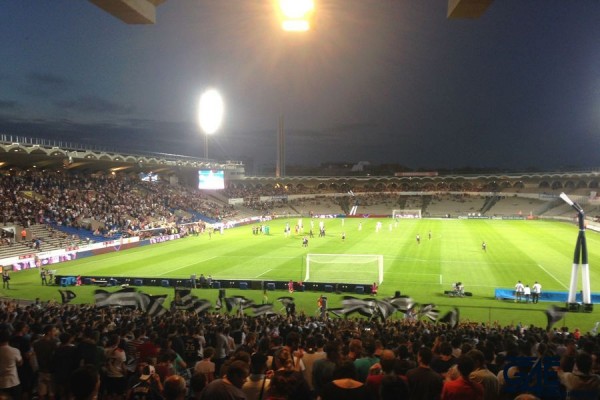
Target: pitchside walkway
553,296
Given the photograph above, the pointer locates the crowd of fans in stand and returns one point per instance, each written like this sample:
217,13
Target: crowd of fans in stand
51,351
117,203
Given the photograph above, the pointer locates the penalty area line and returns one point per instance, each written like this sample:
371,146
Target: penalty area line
552,276
266,272
185,266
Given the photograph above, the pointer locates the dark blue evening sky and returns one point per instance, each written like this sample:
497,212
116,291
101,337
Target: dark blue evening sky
385,81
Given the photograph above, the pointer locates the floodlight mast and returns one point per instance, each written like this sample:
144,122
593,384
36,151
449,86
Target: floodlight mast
580,258
210,114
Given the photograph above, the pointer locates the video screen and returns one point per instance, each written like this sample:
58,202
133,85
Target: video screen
148,177
211,179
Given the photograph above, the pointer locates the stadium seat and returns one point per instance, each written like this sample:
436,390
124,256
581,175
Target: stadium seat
271,286
359,290
164,283
328,288
244,285
138,282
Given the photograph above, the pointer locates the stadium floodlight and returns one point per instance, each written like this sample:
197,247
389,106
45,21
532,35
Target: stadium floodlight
210,114
580,254
296,14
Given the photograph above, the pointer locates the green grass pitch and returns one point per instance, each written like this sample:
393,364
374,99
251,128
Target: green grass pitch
516,250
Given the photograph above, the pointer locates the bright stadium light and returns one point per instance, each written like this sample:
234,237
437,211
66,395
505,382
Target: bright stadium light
210,114
296,14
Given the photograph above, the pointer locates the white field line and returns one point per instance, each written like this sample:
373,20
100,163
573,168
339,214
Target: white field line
266,272
552,276
185,266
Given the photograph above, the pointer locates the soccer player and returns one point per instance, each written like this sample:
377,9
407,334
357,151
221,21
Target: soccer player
484,246
536,290
418,239
343,236
527,293
519,289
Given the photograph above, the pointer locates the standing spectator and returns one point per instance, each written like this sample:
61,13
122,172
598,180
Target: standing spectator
442,363
423,382
116,372
230,386
364,363
197,384
64,363
20,340
5,279
485,377
536,290
44,276
345,384
147,385
384,367
206,367
44,349
463,388
85,383
581,384
314,351
10,359
323,368
174,388
257,385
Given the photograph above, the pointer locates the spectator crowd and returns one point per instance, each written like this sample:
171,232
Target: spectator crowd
52,351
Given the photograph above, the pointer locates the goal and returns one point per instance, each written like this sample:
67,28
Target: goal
416,213
347,268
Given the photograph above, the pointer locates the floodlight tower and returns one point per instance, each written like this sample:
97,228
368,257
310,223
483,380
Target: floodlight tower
580,258
210,114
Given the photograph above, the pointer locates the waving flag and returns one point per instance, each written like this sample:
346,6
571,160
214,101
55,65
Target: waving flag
67,295
130,297
553,315
261,309
428,311
451,318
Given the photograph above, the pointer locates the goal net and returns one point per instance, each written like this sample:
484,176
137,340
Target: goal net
416,213
347,268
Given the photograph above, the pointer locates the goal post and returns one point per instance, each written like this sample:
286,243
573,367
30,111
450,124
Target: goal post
349,268
406,213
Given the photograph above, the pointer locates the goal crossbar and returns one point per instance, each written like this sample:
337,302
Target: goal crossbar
406,213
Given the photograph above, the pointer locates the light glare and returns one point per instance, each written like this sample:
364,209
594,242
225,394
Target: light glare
211,111
295,9
295,25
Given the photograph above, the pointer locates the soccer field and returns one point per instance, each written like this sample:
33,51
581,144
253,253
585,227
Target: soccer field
516,250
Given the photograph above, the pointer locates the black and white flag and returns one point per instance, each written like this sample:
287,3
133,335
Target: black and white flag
67,295
553,315
127,297
130,297
261,309
451,318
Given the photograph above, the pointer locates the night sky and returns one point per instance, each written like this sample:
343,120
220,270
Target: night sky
384,81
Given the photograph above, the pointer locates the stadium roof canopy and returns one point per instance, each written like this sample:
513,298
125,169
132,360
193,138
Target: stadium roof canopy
144,11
